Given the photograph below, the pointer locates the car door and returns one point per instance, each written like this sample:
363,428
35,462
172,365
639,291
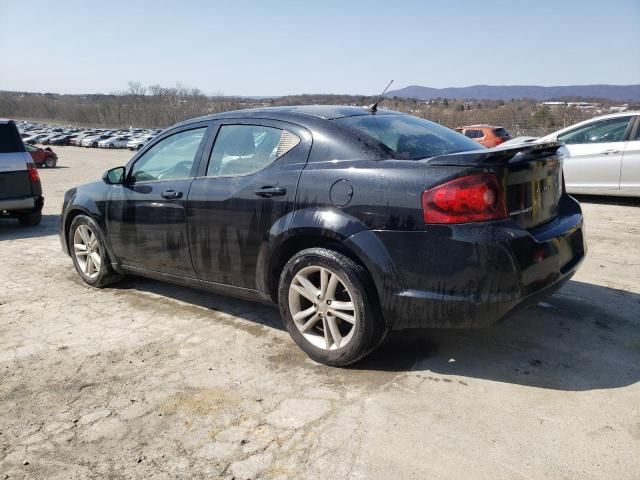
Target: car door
595,155
247,185
147,214
630,170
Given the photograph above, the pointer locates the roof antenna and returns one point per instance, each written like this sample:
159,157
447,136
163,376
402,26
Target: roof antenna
374,107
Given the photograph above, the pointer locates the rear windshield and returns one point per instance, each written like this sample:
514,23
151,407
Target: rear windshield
501,132
10,140
410,138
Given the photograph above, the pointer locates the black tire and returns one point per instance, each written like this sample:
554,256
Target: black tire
111,145
105,275
369,329
30,219
50,162
94,145
139,147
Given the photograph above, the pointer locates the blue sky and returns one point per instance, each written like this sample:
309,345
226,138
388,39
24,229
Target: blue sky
244,47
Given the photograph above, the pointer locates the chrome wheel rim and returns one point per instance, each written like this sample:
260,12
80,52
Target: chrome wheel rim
322,308
87,251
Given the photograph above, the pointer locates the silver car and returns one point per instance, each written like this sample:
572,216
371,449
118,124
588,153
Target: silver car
603,155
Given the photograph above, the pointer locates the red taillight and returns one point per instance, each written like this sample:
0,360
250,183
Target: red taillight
34,176
475,198
499,140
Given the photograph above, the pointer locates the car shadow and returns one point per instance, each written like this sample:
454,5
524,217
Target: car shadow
10,228
266,315
609,200
585,337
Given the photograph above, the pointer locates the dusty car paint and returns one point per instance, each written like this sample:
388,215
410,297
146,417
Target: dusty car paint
222,237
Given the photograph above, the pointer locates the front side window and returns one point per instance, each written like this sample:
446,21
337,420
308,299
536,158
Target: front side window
244,149
410,138
169,159
501,132
610,130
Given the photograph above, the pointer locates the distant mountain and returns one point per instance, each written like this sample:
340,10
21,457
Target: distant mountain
618,93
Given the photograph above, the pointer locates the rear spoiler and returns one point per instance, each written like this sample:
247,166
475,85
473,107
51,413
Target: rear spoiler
495,156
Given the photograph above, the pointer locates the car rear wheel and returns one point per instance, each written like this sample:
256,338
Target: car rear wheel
50,162
30,219
90,258
329,306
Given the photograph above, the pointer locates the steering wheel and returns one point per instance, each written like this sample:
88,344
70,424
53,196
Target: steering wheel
179,170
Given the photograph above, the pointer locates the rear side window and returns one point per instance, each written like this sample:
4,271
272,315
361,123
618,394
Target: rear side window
10,140
501,132
246,149
471,133
410,138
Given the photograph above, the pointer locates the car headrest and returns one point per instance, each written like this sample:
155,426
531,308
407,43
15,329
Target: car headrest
242,144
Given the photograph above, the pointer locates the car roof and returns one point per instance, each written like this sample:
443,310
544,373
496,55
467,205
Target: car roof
302,113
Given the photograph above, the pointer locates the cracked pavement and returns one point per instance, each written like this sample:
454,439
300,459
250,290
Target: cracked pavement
149,380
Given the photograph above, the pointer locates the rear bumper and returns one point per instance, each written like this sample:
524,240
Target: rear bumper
473,275
22,204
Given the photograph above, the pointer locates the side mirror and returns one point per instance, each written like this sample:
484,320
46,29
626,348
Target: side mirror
114,176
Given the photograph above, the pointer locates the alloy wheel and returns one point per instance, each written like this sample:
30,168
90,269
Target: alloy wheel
322,308
86,248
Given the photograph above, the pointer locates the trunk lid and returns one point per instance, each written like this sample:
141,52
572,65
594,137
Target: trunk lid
531,176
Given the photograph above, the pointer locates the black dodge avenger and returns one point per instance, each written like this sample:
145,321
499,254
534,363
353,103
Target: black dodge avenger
353,221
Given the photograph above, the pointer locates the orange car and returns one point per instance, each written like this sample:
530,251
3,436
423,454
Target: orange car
487,135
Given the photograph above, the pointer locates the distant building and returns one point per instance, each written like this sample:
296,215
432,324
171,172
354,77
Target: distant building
619,108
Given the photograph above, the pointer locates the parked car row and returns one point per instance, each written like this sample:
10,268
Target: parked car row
132,138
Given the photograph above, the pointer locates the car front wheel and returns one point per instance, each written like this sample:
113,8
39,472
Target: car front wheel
50,162
329,306
90,258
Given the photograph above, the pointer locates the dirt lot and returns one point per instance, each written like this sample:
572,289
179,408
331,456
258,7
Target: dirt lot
146,380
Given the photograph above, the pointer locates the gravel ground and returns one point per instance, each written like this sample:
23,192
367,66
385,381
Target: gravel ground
147,380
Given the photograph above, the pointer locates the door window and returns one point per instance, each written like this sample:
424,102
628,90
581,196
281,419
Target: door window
246,149
610,130
474,133
169,159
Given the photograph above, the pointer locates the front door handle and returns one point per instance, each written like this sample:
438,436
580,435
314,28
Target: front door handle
269,191
171,194
612,151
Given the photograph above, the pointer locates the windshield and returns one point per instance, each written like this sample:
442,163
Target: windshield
410,138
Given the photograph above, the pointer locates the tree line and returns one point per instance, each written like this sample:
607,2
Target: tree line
155,106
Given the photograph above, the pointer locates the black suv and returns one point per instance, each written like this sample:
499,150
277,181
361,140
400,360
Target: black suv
354,221
20,189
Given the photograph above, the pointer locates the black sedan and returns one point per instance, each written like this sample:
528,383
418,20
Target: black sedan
353,221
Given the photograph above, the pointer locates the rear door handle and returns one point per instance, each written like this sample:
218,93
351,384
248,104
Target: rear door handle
269,191
171,194
612,151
